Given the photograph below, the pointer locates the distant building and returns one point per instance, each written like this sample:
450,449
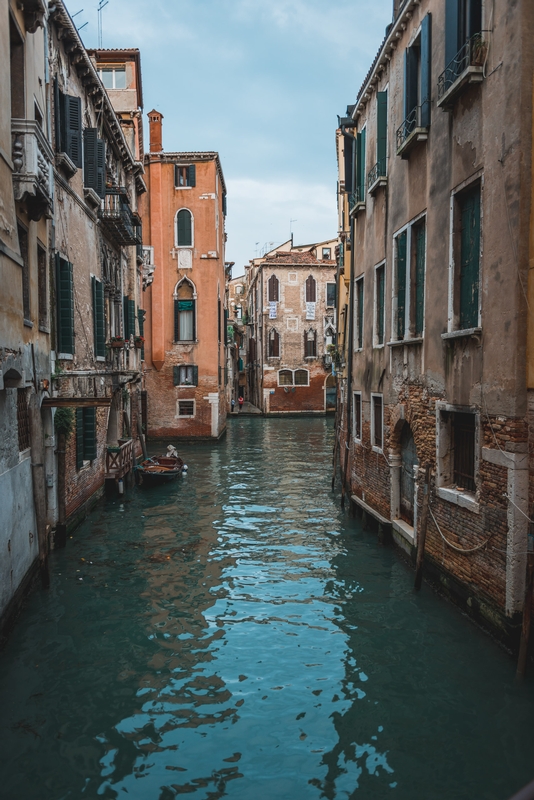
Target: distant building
236,337
291,319
183,223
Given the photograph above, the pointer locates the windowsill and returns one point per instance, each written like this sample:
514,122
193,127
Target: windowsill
405,530
463,499
377,450
187,341
100,358
471,74
355,210
44,329
379,346
186,386
91,198
65,356
380,182
462,334
28,323
399,342
356,441
417,135
182,187
64,163
25,454
310,358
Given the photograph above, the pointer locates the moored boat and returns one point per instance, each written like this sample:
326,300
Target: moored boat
158,469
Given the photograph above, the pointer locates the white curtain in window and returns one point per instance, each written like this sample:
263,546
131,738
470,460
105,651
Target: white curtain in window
186,325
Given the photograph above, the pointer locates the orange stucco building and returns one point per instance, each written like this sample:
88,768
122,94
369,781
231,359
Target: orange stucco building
183,225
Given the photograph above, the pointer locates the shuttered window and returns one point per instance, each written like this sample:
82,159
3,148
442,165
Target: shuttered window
360,165
273,289
417,77
86,449
330,295
23,244
94,162
141,324
311,289
357,415
359,313
425,76
274,344
469,207
184,228
69,126
348,158
185,375
185,175
184,320
419,236
99,325
378,423
463,441
65,306
379,298
129,317
310,344
381,131
400,282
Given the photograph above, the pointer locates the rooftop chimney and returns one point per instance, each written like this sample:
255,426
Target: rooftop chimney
156,140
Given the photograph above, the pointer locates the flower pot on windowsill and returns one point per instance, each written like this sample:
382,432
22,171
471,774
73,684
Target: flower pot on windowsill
139,342
116,343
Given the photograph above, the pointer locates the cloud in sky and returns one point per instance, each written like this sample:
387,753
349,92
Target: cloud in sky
261,82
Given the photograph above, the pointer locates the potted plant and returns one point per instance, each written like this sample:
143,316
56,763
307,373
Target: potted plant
139,341
116,341
479,48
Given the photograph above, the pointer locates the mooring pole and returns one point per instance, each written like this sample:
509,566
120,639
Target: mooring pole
527,614
422,533
60,539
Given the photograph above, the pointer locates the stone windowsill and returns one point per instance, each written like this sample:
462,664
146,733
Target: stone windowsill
417,135
376,185
91,198
459,498
66,165
472,74
399,342
462,333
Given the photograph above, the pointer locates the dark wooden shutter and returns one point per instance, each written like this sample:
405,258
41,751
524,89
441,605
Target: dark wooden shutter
131,317
192,175
58,112
89,433
195,376
348,153
79,438
176,320
420,237
272,286
73,129
380,292
426,69
100,168
141,323
401,284
360,313
360,165
90,138
125,331
98,318
382,131
311,291
474,18
176,375
226,326
410,80
65,306
184,235
469,259
452,24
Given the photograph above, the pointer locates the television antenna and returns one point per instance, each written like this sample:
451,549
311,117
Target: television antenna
101,5
291,221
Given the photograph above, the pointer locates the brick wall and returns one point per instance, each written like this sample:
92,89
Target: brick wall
297,398
84,482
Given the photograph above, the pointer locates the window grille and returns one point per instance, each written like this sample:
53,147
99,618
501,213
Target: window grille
186,408
378,432
301,377
463,439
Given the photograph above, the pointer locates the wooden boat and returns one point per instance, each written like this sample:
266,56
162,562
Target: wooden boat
158,469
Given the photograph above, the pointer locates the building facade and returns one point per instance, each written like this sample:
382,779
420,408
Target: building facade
186,331
435,170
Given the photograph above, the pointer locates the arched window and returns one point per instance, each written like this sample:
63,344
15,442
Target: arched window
310,343
311,289
273,289
329,335
184,312
302,377
274,344
285,377
184,228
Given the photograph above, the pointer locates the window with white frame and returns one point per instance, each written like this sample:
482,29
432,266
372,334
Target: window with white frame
185,375
327,253
113,77
185,408
457,448
357,417
289,377
185,176
377,421
380,294
409,281
184,228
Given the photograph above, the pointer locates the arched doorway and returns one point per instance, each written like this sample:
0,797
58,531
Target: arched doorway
409,462
330,393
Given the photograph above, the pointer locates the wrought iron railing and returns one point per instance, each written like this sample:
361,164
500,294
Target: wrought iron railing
356,197
117,217
377,172
471,54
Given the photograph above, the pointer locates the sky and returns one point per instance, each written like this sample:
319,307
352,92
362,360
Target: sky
259,81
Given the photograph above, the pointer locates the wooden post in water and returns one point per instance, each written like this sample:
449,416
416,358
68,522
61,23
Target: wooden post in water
422,534
60,539
39,488
527,614
141,437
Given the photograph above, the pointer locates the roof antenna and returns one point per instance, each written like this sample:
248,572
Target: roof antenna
101,5
291,221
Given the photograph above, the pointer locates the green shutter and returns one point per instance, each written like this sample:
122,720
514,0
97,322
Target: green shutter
141,323
195,376
360,314
73,129
79,438
401,284
131,317
65,306
380,305
348,152
176,376
184,234
90,137
89,433
100,168
360,166
176,320
411,78
192,175
125,331
469,259
426,74
420,237
98,318
382,131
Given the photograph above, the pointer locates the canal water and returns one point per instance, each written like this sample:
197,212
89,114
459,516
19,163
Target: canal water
234,634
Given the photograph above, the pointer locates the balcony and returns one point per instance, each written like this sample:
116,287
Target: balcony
412,130
32,168
117,218
119,460
376,177
356,201
466,67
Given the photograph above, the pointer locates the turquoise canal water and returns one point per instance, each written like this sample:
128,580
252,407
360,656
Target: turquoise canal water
234,634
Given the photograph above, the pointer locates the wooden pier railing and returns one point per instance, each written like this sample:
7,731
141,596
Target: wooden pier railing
119,460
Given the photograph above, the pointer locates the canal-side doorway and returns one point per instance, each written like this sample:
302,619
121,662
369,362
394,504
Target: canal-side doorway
409,462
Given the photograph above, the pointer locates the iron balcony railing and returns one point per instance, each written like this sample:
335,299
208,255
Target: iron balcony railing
355,198
377,172
117,217
471,54
410,124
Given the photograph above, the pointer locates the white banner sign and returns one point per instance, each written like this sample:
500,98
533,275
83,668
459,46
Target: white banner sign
310,310
272,310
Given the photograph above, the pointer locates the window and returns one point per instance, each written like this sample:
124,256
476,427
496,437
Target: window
467,256
330,295
409,281
273,289
377,421
301,377
184,228
359,314
311,289
185,375
417,66
68,125
85,435
419,260
357,411
65,307
23,243
274,344
141,313
128,317
400,282
94,162
186,408
380,280
42,287
185,176
464,46
18,94
285,377
457,449
184,313
23,420
99,322
359,187
327,254
310,343
380,168
113,77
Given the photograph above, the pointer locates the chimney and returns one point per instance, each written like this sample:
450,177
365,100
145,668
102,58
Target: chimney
156,140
